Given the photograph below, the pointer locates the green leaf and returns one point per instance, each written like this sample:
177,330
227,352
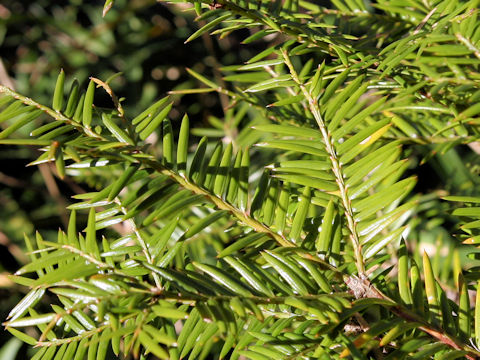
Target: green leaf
338,107
149,124
289,131
91,235
69,320
248,275
173,209
417,288
78,114
27,302
430,286
261,64
356,171
31,320
397,331
168,142
316,81
373,203
286,273
373,248
242,243
33,142
362,139
118,133
70,351
357,119
282,207
93,348
81,349
198,159
76,294
448,322
477,315
403,282
208,172
122,181
150,111
180,280
325,237
277,82
222,171
192,337
46,261
232,190
464,310
305,147
76,269
383,171
259,195
204,340
316,274
243,181
301,214
333,86
122,251
22,336
204,223
159,335
19,122
208,27
287,101
168,312
182,147
57,103
87,104
14,110
270,202
223,279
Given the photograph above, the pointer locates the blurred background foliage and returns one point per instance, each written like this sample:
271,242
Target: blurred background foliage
144,41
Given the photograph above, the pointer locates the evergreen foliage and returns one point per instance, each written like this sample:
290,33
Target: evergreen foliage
290,237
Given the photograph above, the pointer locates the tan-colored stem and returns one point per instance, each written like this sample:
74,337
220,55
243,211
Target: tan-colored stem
336,167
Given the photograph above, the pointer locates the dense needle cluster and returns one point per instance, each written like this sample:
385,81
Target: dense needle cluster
306,252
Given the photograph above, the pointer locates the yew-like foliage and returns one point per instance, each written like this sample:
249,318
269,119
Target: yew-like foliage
296,235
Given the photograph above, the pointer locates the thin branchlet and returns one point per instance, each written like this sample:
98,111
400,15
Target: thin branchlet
336,167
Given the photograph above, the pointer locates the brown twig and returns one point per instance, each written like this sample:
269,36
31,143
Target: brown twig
363,289
5,79
13,248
